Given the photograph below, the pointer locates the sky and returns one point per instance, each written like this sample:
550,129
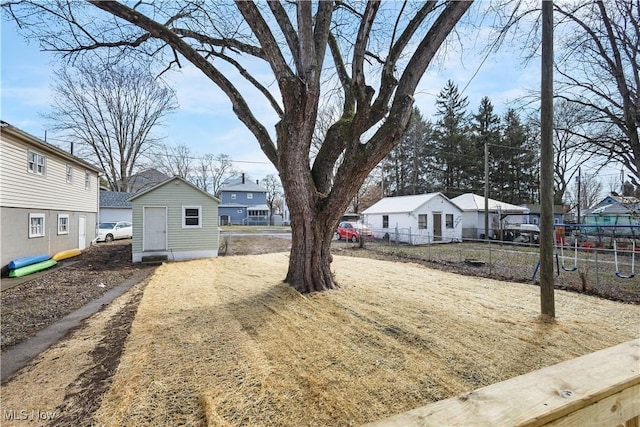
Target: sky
205,122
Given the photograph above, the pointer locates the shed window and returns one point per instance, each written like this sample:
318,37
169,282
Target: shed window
385,221
63,224
36,225
192,217
422,221
449,220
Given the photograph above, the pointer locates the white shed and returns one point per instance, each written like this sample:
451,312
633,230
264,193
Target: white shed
419,219
174,220
472,207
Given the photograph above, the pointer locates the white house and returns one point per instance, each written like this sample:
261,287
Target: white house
174,220
500,213
419,219
48,197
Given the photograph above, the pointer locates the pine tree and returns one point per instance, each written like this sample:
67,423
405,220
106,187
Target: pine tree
486,130
452,141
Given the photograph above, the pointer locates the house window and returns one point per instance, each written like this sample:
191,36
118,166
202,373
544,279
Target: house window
233,196
36,225
422,221
449,220
35,163
63,224
69,174
385,221
249,196
192,217
87,180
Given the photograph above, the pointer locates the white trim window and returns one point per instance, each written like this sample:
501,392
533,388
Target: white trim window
69,174
87,180
36,225
63,223
422,221
449,220
233,196
249,196
35,163
192,217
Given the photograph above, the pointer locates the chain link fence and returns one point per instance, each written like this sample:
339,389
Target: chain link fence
608,271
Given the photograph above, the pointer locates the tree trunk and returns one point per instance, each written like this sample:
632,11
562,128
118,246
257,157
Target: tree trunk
310,257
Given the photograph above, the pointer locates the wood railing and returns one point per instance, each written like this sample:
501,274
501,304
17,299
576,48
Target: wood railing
599,389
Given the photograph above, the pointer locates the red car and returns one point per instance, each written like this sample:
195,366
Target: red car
353,230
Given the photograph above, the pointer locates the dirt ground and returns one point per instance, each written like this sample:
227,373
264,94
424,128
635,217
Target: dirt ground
37,303
235,346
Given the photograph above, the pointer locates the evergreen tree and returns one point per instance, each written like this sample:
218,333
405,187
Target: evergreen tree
514,175
486,130
406,168
452,141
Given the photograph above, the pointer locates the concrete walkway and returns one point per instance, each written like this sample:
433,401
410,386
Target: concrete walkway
20,355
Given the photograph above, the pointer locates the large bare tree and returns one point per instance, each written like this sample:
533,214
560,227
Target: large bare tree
599,71
111,113
374,52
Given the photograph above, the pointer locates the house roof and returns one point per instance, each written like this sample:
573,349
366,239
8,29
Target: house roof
172,179
401,204
115,199
473,202
536,209
248,185
45,146
146,179
612,209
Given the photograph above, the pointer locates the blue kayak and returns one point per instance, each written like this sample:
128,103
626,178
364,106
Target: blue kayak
28,260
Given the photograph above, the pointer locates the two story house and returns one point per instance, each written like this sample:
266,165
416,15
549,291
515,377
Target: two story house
48,197
243,202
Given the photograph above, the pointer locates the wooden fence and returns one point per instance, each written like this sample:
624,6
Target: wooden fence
599,389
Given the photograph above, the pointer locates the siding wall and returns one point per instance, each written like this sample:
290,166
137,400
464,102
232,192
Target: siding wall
15,241
406,221
21,189
179,239
259,198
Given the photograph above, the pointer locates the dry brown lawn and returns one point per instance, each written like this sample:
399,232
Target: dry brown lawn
224,342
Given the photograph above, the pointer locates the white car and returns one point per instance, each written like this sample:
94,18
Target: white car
109,231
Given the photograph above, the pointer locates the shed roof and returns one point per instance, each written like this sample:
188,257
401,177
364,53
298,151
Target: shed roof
172,179
401,204
115,199
473,202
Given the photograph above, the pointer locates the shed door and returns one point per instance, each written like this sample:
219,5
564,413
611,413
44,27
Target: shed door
437,227
154,229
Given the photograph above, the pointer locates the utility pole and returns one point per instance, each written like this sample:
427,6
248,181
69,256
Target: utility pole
579,187
486,190
547,297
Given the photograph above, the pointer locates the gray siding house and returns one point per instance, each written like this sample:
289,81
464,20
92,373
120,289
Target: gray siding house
243,202
174,220
48,197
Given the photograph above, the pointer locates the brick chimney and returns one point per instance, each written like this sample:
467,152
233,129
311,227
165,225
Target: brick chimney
243,177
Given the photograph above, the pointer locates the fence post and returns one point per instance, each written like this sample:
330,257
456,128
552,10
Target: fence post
595,251
489,240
